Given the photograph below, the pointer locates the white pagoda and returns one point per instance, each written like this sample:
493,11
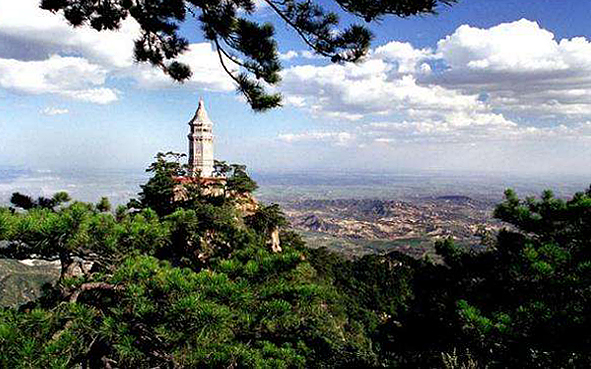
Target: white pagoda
201,144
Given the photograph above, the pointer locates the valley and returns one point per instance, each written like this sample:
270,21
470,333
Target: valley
360,226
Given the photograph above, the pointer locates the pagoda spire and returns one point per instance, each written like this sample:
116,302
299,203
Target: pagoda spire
200,116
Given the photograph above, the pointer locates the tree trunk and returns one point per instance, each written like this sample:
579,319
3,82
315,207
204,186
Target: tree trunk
68,266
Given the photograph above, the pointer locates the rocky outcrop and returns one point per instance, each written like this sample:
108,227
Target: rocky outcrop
274,241
246,203
213,186
78,267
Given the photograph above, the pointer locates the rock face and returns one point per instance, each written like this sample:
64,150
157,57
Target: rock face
208,186
274,241
245,203
79,267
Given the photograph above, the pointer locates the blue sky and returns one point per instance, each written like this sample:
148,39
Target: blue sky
485,85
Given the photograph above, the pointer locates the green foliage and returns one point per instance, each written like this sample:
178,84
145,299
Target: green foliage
199,287
371,9
103,205
204,232
252,309
61,197
375,289
158,193
164,192
266,218
239,38
22,201
26,202
451,253
522,303
192,288
79,231
237,180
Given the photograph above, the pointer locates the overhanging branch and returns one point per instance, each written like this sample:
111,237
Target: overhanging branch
296,28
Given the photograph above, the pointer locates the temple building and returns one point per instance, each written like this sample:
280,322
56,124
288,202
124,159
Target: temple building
201,144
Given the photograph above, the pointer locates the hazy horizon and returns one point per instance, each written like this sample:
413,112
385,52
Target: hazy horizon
120,185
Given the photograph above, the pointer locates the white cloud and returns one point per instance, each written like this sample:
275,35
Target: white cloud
205,65
491,132
522,68
454,127
510,82
352,91
54,111
303,54
405,56
72,77
35,41
520,46
95,95
474,84
307,54
288,55
39,33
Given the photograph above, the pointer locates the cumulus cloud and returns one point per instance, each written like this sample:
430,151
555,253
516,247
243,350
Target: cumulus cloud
307,54
35,33
404,56
521,68
353,91
521,46
41,53
303,54
511,80
204,62
67,76
476,84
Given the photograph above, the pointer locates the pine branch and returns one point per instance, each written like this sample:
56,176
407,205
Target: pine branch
297,29
219,52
